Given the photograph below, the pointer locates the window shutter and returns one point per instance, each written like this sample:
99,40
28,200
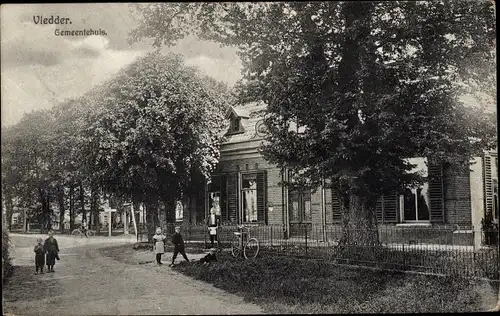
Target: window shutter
379,209
223,198
487,185
337,215
261,196
390,208
435,179
232,197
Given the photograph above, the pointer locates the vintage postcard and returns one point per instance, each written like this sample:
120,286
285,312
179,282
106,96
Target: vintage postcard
334,157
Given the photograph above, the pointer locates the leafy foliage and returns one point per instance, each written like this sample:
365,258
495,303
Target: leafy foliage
352,87
156,126
149,133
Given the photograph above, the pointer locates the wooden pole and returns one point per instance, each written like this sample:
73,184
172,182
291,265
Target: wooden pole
109,222
133,220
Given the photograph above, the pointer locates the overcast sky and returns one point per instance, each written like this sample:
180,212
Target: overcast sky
40,69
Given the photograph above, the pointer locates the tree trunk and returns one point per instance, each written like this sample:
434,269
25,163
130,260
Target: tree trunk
9,209
71,207
170,205
359,222
152,218
60,200
94,209
44,200
358,209
82,203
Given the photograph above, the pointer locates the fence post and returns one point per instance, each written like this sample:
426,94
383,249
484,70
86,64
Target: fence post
271,236
205,238
305,227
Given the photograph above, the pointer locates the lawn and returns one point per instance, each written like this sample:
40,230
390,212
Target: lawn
287,285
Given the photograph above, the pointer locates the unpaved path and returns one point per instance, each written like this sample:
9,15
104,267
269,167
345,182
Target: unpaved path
87,283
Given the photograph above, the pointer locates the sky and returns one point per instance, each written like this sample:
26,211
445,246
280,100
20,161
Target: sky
40,69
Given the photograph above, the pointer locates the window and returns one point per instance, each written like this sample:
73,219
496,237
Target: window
299,206
179,211
235,125
249,197
299,201
252,198
214,203
415,202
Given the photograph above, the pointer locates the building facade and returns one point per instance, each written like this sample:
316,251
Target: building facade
246,189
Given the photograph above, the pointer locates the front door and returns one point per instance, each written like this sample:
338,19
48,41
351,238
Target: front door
299,210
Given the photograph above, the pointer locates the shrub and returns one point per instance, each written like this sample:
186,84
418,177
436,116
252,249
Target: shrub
6,259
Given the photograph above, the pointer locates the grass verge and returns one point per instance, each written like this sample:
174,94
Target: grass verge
288,285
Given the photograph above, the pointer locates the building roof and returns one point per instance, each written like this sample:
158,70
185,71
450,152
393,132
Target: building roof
250,113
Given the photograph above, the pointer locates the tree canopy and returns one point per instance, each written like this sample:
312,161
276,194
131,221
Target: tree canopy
148,134
353,87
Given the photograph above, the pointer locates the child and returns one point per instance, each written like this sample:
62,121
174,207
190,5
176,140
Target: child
210,257
178,245
39,255
159,244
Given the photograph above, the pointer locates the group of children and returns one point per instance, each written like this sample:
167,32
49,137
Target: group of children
46,253
159,247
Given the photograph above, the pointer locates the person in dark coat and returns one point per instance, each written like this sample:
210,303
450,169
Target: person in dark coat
210,257
39,255
178,245
52,250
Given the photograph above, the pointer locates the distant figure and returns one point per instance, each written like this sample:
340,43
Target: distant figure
213,224
85,228
159,244
52,251
210,257
178,245
39,255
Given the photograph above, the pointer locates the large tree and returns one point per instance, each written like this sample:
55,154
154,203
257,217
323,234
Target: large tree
352,88
26,172
152,130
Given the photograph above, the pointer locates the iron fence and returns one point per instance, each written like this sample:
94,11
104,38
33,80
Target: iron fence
459,251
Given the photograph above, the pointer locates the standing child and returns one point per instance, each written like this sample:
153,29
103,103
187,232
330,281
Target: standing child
39,255
159,244
178,245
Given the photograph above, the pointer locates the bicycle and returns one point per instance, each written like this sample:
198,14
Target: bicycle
243,243
79,231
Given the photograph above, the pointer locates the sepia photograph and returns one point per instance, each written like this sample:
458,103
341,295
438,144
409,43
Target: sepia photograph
219,158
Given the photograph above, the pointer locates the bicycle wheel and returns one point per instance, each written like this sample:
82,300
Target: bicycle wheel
235,246
90,233
76,232
251,248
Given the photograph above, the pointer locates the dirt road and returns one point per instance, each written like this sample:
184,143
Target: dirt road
87,283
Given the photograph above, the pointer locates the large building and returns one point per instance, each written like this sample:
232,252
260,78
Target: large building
247,189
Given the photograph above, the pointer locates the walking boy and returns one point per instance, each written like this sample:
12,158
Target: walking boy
178,245
39,255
